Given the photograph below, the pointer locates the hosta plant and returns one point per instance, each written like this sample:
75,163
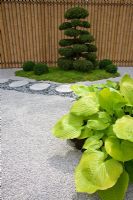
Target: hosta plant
102,117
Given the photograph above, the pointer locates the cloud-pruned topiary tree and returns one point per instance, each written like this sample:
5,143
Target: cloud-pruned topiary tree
77,51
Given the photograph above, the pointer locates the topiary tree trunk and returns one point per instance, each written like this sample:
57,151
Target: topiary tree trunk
77,51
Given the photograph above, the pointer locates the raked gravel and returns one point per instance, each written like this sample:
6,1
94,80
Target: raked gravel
35,164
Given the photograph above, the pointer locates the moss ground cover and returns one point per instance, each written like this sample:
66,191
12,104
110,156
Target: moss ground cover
59,75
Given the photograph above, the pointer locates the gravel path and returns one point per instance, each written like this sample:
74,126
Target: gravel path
8,82
36,165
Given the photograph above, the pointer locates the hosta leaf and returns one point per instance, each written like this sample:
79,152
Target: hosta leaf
86,106
94,172
109,131
99,122
111,100
68,127
85,133
121,150
117,192
126,88
123,128
98,135
111,84
82,90
92,143
129,169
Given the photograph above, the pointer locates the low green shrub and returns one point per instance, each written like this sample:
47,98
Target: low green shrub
90,56
103,117
103,63
28,66
95,63
111,68
65,64
83,65
67,52
40,68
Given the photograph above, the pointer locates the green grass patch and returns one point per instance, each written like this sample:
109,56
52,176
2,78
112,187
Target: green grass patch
57,75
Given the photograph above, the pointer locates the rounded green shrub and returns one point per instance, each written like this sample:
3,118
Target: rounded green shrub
103,63
65,25
86,38
111,68
91,47
40,68
66,42
65,64
85,24
71,32
78,48
28,66
76,13
75,22
84,32
95,63
90,56
83,65
67,52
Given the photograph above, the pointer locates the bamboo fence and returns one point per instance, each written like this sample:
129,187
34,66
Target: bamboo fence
29,30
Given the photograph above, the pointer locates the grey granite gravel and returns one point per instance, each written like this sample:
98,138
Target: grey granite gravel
36,165
3,80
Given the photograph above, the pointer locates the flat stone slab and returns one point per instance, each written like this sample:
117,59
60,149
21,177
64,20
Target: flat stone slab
3,80
63,88
39,86
18,83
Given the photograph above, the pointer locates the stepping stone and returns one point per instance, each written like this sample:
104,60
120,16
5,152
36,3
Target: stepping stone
39,86
18,83
17,78
3,80
64,88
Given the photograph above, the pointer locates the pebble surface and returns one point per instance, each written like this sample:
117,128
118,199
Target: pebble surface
36,87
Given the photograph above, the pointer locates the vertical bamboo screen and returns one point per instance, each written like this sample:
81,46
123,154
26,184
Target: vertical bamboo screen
29,29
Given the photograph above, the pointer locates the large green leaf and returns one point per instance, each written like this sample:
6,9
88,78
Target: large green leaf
117,192
126,88
92,143
121,150
129,169
111,84
86,106
109,131
68,127
82,90
111,100
85,133
123,128
99,122
94,172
